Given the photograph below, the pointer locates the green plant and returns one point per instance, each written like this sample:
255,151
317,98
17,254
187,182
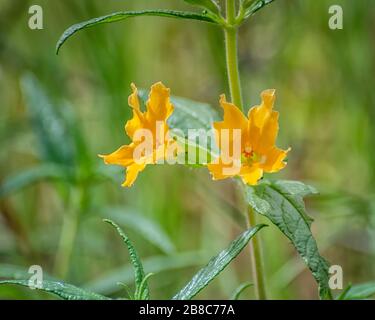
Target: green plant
282,202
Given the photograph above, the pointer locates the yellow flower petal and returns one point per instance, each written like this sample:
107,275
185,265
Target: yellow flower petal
216,171
233,119
268,135
133,99
251,175
122,156
138,121
275,160
259,132
159,107
132,172
263,123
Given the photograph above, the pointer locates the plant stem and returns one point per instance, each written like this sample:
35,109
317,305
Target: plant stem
256,259
68,234
231,43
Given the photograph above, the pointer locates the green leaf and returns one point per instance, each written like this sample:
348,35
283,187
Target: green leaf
210,5
30,176
140,293
63,290
358,292
193,116
146,227
118,16
252,6
190,114
135,260
282,203
216,265
240,289
56,145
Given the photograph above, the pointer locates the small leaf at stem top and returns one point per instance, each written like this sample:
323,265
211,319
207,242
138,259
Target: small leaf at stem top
250,7
210,5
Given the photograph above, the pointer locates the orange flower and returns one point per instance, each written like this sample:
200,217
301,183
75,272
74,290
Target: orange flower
153,121
258,133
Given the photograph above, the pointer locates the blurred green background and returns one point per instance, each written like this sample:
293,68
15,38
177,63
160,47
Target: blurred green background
58,112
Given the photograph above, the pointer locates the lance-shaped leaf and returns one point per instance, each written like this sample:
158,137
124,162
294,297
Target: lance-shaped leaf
210,5
63,290
282,203
119,16
216,265
140,277
250,7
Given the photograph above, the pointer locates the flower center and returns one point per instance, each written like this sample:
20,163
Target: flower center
249,156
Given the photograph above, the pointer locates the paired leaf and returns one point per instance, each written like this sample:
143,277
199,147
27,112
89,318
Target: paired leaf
216,265
282,203
210,5
140,278
358,292
30,176
63,290
119,16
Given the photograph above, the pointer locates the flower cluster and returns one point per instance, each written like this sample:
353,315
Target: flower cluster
246,144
